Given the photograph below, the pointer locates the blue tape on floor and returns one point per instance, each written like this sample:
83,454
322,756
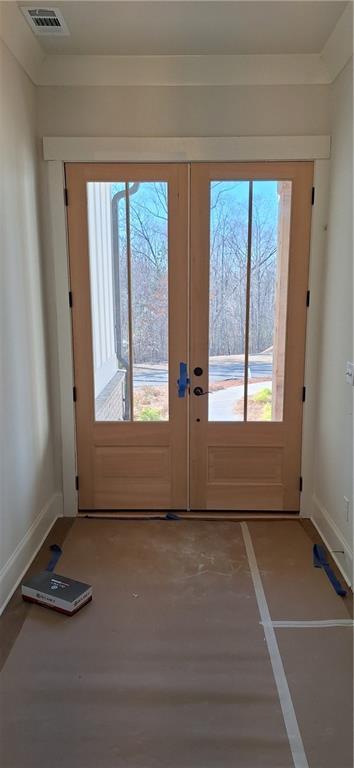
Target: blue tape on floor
57,551
320,561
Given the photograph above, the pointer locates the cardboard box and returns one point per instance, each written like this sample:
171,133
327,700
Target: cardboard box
57,592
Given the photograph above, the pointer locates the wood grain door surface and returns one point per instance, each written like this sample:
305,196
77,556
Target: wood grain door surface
232,239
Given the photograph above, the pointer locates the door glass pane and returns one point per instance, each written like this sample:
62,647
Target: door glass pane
229,204
268,299
128,250
249,259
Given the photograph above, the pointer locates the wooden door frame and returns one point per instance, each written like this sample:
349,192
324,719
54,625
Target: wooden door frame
58,151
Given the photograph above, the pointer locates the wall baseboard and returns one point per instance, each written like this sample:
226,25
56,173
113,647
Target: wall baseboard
16,566
333,539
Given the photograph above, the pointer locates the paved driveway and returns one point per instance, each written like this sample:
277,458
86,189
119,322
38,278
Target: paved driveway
219,371
221,403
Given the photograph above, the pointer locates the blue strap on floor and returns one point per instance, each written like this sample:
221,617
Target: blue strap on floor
320,561
172,516
57,551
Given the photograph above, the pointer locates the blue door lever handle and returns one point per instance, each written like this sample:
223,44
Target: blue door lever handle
183,381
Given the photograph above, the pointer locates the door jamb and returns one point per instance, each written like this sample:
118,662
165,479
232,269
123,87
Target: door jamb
58,247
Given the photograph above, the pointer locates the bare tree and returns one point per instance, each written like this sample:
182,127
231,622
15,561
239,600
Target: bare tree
228,272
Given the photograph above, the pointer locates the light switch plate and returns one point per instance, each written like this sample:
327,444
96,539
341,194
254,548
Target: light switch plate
349,373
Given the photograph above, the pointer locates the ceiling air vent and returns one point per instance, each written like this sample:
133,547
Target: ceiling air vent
45,21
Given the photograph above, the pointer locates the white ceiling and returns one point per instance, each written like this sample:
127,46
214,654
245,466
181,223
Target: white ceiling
181,28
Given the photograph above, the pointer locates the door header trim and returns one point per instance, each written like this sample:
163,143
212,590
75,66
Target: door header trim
187,149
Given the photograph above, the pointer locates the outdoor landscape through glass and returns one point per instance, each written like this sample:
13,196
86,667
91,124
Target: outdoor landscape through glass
128,249
249,255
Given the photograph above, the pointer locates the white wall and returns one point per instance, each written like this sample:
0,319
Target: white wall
184,111
30,497
333,472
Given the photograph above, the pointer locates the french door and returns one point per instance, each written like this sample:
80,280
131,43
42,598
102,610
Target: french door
249,275
128,248
189,292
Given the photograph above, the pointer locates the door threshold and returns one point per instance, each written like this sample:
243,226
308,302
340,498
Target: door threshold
184,515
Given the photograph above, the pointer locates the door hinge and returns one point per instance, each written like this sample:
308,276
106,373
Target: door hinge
303,394
66,197
70,299
313,196
308,295
77,482
300,484
74,394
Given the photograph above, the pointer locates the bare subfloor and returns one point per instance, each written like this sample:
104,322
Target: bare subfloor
168,667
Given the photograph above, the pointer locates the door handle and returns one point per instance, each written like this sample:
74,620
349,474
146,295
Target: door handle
199,391
183,381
